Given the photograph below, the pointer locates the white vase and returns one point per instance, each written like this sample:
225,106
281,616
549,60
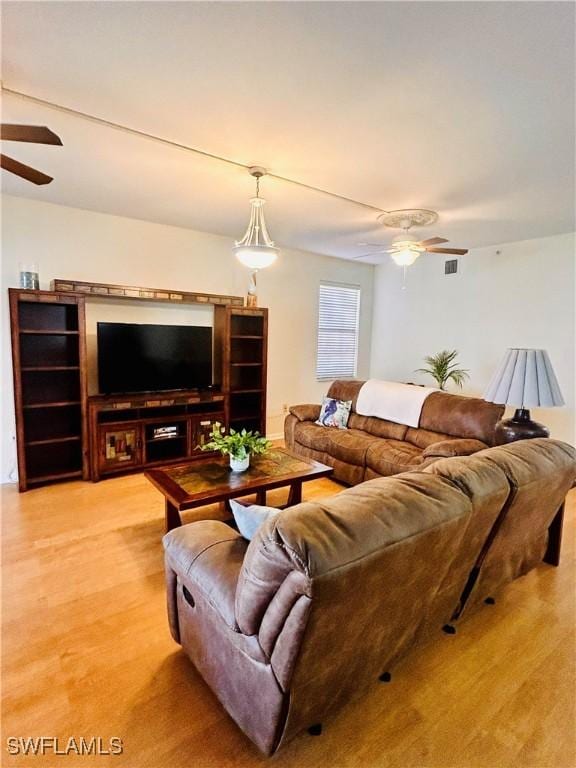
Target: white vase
239,465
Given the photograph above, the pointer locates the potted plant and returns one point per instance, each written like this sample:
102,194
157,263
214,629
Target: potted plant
239,446
443,367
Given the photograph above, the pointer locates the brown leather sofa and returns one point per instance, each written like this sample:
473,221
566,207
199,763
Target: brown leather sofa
450,425
329,594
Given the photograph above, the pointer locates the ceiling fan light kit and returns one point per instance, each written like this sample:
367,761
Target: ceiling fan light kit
404,257
406,248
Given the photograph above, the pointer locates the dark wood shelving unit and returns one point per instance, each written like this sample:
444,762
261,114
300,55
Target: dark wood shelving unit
63,434
240,343
49,365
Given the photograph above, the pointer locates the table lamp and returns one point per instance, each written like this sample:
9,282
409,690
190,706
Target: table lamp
525,379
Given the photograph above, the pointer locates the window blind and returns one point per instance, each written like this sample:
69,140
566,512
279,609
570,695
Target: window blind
338,324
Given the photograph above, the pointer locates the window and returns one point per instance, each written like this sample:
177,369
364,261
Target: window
338,321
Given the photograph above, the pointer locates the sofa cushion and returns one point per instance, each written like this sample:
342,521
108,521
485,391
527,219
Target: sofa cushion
460,416
454,447
389,457
312,435
346,390
377,427
423,437
349,474
350,445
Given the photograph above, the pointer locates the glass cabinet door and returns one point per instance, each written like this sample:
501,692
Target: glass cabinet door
120,445
203,427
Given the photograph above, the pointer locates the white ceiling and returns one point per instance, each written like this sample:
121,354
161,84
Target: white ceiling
463,107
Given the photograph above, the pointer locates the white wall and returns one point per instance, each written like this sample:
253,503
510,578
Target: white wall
520,297
83,245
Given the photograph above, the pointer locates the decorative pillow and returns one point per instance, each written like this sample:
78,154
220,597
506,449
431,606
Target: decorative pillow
334,413
250,517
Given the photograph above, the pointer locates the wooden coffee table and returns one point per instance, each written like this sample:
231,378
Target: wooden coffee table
206,481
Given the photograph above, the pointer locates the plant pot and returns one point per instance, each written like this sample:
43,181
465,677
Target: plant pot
239,465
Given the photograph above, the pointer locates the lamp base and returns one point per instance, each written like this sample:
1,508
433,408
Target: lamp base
519,427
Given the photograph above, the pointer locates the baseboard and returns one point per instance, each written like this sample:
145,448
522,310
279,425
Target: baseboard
277,436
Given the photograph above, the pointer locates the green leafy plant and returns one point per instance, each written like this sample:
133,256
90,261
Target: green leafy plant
235,444
443,366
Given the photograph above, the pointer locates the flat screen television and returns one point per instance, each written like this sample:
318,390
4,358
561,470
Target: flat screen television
148,358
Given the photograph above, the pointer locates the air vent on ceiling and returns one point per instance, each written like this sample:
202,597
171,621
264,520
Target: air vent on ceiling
451,266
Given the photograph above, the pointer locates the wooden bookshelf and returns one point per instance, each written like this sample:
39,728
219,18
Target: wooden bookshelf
240,345
49,366
62,434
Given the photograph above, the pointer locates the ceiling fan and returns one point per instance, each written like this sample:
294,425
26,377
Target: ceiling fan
405,247
34,134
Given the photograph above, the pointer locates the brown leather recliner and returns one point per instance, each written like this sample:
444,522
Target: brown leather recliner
287,628
450,425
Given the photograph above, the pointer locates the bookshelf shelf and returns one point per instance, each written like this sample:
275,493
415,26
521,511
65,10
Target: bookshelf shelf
51,332
51,440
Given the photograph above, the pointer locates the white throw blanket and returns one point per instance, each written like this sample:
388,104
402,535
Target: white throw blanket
393,401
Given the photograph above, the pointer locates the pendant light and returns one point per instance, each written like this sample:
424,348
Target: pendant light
256,250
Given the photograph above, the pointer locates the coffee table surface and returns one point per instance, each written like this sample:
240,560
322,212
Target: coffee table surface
209,480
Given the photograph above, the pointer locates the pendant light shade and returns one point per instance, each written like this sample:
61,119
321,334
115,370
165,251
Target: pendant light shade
256,250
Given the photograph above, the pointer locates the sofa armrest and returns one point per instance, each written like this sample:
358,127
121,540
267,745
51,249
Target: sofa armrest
307,412
206,557
456,447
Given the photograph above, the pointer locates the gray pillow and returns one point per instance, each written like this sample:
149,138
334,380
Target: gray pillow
249,519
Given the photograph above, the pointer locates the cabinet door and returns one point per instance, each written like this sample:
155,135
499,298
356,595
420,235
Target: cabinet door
120,446
201,429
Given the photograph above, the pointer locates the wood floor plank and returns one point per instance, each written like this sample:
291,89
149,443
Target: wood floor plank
86,652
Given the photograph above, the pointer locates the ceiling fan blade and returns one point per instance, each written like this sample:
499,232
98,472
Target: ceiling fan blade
432,241
372,245
36,134
24,171
455,251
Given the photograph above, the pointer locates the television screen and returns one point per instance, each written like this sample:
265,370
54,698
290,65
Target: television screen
149,358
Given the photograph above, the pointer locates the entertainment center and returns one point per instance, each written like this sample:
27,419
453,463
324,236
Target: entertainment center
63,433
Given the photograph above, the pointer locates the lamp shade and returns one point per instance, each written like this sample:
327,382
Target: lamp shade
525,379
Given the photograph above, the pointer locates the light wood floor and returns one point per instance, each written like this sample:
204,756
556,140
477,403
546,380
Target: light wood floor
86,652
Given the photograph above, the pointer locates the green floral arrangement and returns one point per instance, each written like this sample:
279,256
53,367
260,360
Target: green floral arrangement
239,445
